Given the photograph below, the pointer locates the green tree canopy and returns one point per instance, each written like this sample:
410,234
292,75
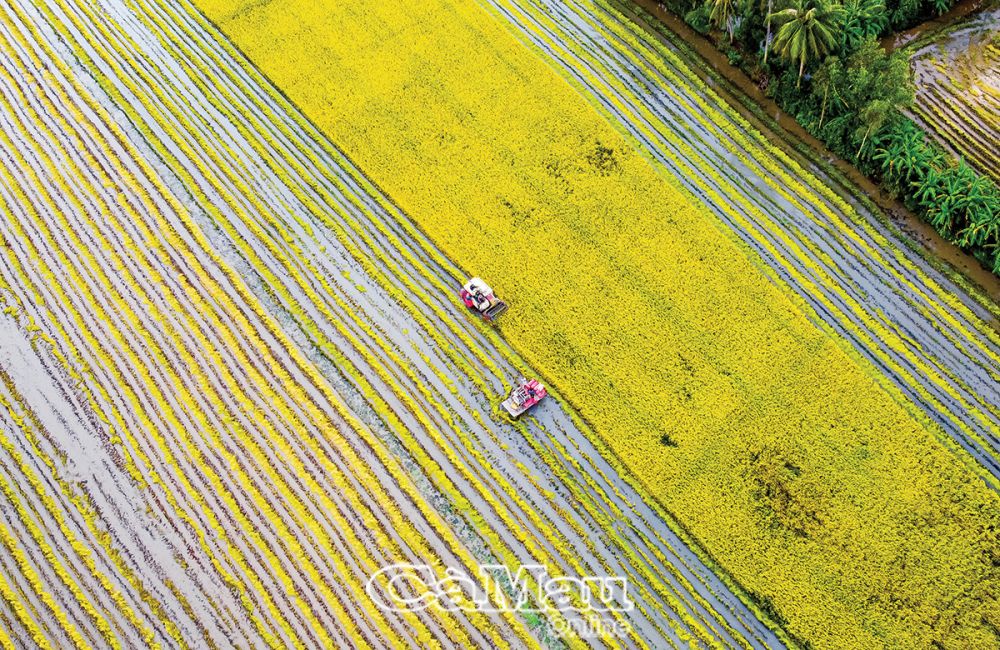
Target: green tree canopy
862,19
806,31
722,13
861,93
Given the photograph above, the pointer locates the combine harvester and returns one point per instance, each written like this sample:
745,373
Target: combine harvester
526,394
478,295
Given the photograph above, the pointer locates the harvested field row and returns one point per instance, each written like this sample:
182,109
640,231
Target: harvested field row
957,77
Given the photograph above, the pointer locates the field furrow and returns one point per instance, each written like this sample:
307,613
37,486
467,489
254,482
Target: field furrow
265,362
753,347
265,504
957,79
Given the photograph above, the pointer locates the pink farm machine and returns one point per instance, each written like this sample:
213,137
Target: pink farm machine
525,394
478,296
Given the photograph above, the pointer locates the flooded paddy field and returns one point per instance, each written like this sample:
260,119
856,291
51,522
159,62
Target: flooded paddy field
956,72
235,380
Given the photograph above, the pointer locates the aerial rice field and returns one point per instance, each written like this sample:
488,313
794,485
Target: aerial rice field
212,506
891,313
957,77
459,127
236,380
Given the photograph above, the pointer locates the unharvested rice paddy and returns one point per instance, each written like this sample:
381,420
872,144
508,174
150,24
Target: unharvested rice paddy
957,76
236,380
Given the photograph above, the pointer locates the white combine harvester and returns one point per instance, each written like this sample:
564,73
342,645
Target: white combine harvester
477,295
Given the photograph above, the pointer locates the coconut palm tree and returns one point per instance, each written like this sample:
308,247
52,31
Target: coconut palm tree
722,14
767,37
807,31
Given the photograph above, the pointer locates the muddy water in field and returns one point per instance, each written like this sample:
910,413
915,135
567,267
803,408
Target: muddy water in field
136,341
248,324
953,15
925,334
92,469
957,80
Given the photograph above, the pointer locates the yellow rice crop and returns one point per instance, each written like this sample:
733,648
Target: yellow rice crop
808,482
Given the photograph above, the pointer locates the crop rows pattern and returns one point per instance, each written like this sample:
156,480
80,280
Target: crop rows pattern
687,285
237,382
957,77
